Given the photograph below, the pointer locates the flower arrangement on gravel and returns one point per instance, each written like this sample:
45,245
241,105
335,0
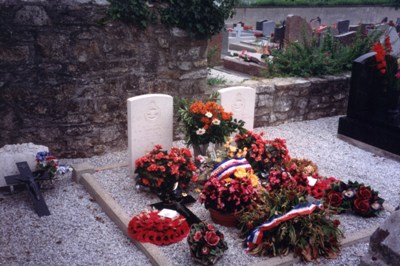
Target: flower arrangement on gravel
150,227
263,155
231,193
282,221
354,197
162,171
205,122
206,244
46,162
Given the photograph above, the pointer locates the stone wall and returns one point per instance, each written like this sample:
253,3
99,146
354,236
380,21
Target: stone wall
280,100
66,72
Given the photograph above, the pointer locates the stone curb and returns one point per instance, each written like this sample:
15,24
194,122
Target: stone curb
116,213
84,175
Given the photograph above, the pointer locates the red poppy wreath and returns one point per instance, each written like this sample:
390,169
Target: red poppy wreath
149,227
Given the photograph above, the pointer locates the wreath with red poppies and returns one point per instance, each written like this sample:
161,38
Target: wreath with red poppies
150,227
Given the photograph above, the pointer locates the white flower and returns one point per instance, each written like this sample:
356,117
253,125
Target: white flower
375,205
216,122
200,131
208,114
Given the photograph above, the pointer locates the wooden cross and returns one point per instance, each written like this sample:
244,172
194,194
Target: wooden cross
178,203
25,177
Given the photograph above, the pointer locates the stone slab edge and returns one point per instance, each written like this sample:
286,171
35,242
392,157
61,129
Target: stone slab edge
156,256
369,148
119,217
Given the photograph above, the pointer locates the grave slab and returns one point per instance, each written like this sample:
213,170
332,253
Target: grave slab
150,121
241,102
11,154
343,26
268,28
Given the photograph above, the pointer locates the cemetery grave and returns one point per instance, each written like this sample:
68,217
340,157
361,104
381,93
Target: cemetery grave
121,187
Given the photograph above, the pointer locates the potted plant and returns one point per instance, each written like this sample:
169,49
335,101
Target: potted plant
225,196
206,244
206,122
163,171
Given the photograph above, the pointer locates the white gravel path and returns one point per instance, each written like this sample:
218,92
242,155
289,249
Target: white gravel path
79,233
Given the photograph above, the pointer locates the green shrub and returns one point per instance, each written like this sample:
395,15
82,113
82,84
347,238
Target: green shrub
310,59
200,18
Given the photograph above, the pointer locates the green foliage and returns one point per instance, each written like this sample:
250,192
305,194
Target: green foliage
212,56
200,18
317,2
310,59
216,81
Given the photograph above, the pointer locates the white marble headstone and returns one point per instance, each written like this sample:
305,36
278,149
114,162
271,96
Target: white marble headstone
268,28
241,102
394,40
12,154
150,122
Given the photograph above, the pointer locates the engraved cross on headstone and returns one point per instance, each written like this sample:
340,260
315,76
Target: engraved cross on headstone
25,177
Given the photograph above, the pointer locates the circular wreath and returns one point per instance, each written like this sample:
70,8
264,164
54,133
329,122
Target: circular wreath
149,227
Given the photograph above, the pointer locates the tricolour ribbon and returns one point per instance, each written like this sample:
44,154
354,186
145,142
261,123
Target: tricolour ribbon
256,235
228,167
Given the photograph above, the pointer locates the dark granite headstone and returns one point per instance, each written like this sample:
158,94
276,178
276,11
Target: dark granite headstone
343,26
279,35
259,24
368,119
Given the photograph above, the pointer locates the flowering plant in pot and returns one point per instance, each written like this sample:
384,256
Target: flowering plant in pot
354,197
262,154
163,171
206,244
229,195
206,122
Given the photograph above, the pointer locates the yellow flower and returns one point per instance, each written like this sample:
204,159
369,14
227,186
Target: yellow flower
254,179
228,180
240,172
232,148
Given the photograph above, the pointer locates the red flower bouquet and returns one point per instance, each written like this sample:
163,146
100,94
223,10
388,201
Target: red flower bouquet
161,171
355,197
150,227
263,154
206,122
206,244
230,194
387,65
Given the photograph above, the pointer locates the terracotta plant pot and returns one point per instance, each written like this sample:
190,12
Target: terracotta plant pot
225,219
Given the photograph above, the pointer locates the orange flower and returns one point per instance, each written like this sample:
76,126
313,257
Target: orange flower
380,56
226,116
388,45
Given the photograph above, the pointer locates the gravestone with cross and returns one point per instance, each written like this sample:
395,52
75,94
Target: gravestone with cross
26,177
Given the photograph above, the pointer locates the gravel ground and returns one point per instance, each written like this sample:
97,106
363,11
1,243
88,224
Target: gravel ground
79,233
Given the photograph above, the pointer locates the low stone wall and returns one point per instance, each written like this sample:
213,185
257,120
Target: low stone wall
281,100
66,71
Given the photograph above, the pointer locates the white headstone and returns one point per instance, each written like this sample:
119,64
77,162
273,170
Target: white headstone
238,30
150,122
268,28
394,40
241,102
12,154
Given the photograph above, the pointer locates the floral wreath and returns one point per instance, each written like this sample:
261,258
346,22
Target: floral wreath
150,227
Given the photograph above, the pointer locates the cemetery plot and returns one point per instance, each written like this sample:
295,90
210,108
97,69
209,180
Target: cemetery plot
118,183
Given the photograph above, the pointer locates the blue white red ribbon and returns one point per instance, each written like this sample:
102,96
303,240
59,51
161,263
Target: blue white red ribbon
228,167
256,235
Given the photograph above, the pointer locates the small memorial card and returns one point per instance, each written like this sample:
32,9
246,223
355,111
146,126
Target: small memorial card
168,213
